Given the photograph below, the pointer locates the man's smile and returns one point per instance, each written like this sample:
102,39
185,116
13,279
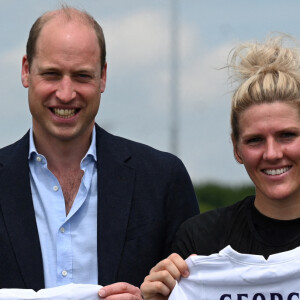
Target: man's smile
64,113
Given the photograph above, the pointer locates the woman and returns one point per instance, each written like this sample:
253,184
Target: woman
265,123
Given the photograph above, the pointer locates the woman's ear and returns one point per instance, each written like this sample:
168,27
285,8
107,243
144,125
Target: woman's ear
237,156
236,153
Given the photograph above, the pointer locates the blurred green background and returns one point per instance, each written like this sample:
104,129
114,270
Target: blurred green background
213,195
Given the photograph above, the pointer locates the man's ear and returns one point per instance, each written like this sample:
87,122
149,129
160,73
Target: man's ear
236,153
103,78
25,72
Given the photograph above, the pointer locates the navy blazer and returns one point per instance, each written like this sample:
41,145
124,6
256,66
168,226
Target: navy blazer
143,196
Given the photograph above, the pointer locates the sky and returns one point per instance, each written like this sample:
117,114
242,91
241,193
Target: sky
137,101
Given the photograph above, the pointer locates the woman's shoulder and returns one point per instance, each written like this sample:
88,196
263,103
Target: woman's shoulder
218,215
203,234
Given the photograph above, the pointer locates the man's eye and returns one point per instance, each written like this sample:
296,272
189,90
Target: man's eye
84,76
254,140
287,135
50,74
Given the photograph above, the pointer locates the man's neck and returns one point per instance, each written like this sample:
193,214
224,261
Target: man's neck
62,155
63,160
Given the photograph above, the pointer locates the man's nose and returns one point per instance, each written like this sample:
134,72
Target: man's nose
65,91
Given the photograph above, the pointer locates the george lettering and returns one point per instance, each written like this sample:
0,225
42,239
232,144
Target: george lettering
225,296
260,296
276,296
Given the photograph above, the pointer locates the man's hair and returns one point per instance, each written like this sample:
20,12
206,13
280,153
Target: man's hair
69,14
266,72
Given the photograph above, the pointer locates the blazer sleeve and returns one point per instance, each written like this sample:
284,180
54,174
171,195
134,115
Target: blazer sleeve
181,203
163,198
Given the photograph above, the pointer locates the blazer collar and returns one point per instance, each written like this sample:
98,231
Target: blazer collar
115,190
18,212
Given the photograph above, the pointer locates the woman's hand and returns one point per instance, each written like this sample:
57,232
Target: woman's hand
159,284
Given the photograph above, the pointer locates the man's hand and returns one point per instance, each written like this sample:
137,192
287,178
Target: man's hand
120,291
159,284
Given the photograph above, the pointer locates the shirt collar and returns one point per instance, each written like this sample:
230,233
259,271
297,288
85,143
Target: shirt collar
91,152
32,148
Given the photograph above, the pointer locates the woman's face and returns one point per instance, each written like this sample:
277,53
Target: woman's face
269,147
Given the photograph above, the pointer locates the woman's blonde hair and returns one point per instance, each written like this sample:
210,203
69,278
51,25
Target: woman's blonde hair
266,72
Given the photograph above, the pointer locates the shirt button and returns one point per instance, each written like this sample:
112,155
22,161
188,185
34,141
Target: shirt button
55,188
64,273
38,159
62,229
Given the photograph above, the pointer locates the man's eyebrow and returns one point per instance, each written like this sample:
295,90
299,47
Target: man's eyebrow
47,68
84,71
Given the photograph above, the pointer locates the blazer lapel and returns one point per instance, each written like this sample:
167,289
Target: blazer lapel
115,189
18,213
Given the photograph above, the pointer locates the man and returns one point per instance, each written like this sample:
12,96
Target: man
78,204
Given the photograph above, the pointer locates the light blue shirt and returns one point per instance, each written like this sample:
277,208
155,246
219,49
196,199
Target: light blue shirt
68,243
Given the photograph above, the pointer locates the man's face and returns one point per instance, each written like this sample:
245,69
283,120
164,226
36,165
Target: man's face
65,82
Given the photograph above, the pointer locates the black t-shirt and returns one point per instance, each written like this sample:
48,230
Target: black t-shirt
241,226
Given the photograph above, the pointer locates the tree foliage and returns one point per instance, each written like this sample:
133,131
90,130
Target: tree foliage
213,195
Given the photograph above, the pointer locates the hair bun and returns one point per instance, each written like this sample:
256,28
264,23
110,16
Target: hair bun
265,72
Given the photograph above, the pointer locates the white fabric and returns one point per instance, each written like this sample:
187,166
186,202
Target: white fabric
65,292
230,275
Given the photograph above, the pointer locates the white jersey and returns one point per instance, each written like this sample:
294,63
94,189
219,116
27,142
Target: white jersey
70,291
230,275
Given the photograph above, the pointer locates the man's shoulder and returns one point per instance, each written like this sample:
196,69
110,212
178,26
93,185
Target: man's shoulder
15,147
